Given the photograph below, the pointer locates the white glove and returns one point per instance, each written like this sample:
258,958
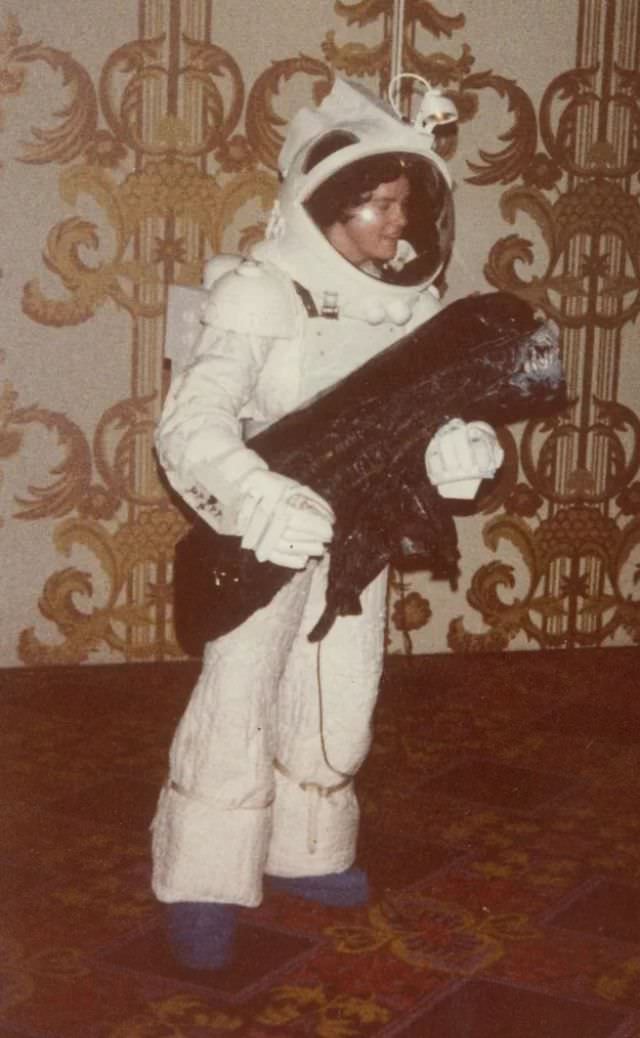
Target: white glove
281,520
460,456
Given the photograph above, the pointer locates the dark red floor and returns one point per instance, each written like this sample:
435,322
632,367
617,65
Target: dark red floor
501,830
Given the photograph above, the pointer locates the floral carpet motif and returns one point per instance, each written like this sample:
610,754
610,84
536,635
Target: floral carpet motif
501,832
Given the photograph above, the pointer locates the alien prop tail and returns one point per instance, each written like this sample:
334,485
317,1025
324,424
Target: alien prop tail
361,446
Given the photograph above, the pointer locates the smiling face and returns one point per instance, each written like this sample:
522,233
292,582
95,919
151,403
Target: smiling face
370,232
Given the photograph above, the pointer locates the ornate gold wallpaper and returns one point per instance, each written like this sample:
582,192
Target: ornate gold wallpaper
562,544
131,157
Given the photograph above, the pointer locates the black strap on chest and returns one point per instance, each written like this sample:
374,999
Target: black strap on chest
329,307
307,299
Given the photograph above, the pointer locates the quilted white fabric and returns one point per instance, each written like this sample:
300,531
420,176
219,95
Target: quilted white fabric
262,761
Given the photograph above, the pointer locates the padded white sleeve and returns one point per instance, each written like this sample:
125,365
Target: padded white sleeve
199,435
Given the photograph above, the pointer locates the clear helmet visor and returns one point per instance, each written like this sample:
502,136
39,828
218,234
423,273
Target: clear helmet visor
391,215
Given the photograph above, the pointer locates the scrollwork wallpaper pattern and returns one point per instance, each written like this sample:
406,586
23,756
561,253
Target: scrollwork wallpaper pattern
575,519
567,501
170,143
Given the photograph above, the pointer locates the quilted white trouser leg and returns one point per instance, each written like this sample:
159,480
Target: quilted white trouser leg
260,764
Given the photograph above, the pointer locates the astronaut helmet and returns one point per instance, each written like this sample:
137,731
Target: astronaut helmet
389,213
364,209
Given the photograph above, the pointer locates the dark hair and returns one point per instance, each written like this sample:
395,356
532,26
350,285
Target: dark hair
335,199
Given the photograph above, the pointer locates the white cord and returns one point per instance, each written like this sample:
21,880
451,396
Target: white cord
395,80
323,745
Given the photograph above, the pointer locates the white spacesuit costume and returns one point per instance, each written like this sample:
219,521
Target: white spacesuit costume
262,763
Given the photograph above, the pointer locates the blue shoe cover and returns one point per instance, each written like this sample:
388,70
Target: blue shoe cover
348,889
201,934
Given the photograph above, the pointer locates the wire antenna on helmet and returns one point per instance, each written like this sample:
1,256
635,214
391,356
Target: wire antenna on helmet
435,109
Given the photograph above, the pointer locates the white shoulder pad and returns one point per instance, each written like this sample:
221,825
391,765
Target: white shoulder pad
185,307
253,299
219,265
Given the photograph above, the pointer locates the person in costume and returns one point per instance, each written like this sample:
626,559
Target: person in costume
260,786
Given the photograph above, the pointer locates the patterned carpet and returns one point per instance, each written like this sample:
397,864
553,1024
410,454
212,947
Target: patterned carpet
501,831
